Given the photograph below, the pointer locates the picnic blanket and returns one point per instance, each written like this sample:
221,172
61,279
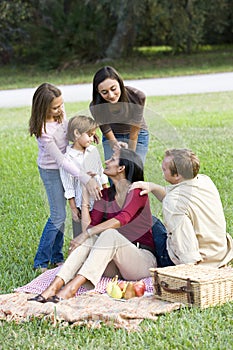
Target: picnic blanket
39,284
90,308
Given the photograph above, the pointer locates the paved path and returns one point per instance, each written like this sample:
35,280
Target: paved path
152,87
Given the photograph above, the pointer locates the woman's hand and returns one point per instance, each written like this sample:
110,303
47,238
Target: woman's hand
123,144
118,145
77,241
93,189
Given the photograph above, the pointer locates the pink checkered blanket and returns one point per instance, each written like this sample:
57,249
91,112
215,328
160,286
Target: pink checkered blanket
40,283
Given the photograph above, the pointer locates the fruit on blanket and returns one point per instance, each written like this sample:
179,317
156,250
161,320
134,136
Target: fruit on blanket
139,288
116,292
122,285
109,287
126,290
129,291
113,290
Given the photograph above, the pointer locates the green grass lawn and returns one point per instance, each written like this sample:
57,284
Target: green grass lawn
201,122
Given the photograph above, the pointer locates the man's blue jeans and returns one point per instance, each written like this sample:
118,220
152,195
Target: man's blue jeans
52,239
159,233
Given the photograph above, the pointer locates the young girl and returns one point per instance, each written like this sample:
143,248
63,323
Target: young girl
81,131
48,123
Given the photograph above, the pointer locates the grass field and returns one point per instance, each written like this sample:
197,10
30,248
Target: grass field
201,122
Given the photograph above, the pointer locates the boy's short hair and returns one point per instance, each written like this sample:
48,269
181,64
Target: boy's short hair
183,162
81,123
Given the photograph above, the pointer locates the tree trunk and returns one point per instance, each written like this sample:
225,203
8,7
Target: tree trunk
189,10
124,37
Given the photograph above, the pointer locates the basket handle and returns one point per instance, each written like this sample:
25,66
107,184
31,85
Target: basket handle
165,286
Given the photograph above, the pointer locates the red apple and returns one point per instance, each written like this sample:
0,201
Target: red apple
139,288
122,284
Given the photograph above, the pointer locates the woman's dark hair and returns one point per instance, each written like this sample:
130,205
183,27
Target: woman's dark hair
102,74
133,165
133,169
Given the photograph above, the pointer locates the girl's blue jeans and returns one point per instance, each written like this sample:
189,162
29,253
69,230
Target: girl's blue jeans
52,239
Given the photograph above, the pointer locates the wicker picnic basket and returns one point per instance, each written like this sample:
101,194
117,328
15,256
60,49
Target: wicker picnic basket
193,285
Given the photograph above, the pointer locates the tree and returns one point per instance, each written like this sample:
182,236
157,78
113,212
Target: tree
128,14
71,31
60,33
13,15
180,23
219,22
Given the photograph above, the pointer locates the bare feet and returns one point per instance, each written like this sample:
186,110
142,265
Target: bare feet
54,288
70,289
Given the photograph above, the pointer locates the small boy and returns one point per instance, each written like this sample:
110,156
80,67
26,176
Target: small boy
81,131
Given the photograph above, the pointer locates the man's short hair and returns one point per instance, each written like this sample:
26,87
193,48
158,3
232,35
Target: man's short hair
183,162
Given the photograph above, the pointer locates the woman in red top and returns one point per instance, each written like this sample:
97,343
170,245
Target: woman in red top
118,239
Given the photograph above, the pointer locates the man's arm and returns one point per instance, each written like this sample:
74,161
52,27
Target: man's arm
158,191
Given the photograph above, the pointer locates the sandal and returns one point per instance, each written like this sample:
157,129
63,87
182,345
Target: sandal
54,299
39,298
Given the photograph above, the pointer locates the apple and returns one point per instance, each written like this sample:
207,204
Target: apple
122,284
139,288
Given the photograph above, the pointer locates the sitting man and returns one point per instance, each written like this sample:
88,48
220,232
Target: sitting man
192,212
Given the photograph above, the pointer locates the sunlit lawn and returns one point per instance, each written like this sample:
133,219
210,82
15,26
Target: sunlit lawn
201,122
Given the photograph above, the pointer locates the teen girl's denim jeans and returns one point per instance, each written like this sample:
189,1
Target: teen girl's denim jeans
142,144
52,239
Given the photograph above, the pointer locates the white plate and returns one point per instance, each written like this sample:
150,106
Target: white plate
146,294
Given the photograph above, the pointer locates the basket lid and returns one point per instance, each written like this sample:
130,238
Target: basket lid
196,273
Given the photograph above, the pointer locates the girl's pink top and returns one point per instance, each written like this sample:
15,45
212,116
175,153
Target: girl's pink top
52,146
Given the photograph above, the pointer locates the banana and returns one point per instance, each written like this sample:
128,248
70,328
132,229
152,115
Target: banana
113,290
110,285
109,288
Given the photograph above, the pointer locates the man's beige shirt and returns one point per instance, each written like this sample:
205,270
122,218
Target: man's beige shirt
194,218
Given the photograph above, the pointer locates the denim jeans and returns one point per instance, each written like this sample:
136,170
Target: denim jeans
141,149
159,233
52,239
